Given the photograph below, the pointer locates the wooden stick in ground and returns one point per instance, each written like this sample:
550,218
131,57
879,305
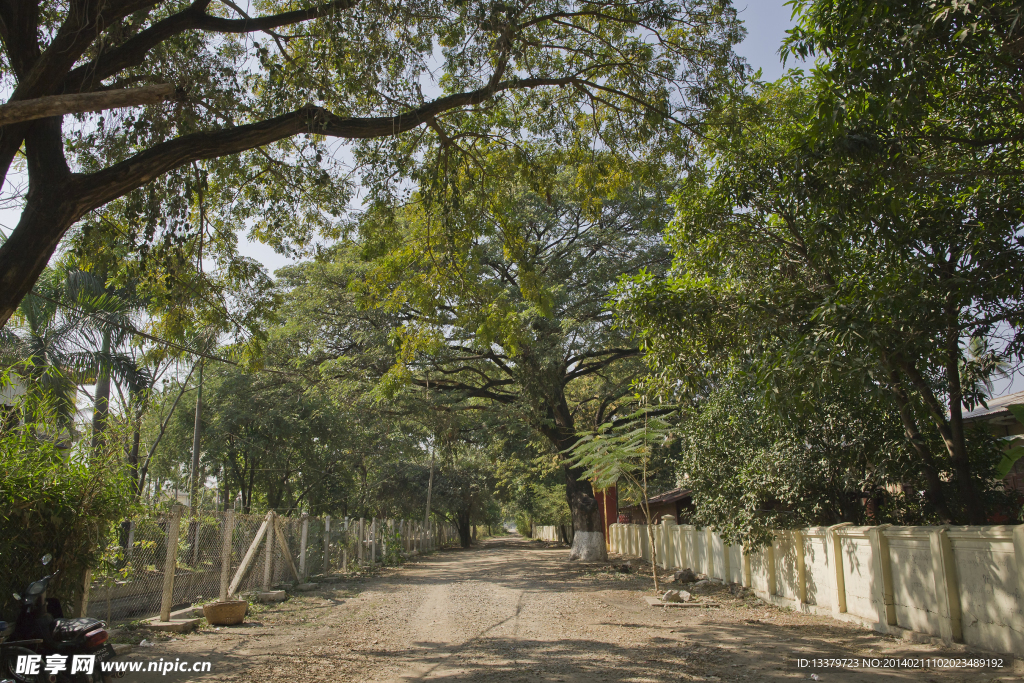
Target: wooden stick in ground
268,564
170,564
373,540
284,548
327,545
359,549
344,548
247,560
225,553
304,538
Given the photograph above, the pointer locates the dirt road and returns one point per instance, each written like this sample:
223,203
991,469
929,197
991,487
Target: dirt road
517,611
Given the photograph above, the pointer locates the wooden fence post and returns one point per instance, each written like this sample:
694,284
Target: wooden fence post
303,544
327,545
83,601
268,563
170,563
360,548
225,553
344,546
374,533
285,550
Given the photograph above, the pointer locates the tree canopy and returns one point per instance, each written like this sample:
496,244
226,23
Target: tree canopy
245,140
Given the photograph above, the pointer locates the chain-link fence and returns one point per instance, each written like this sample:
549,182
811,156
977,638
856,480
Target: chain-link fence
131,583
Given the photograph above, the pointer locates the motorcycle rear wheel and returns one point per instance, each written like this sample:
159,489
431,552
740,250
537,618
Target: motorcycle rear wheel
8,664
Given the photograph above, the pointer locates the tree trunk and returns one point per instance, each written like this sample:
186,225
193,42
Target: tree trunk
955,444
196,433
464,528
926,462
588,534
973,505
48,213
102,398
133,461
654,553
588,537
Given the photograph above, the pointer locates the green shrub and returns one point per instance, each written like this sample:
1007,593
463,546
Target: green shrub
57,496
523,525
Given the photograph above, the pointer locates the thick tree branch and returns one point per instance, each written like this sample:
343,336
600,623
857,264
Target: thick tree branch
597,354
590,368
58,105
468,389
96,189
84,22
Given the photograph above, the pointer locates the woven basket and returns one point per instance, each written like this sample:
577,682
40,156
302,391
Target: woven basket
225,613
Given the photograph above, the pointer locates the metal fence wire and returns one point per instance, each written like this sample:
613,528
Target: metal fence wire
129,581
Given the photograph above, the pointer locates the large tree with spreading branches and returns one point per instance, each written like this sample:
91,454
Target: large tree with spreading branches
149,101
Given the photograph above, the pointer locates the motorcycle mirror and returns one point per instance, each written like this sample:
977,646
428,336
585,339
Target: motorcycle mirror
46,559
17,596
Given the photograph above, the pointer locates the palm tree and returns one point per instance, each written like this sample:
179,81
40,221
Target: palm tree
45,344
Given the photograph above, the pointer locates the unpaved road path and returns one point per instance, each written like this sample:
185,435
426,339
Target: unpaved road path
511,610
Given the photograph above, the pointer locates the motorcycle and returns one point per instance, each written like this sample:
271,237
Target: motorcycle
43,633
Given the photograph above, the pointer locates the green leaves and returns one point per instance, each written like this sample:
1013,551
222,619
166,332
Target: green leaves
1015,451
623,449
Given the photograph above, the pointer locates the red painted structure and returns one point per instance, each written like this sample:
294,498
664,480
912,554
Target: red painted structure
608,504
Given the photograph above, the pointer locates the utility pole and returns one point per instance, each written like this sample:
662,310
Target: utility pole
193,496
430,481
430,489
194,487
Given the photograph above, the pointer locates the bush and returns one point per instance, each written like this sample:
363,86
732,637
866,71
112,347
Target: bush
56,497
523,525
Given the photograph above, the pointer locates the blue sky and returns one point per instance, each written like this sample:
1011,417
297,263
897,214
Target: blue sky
767,22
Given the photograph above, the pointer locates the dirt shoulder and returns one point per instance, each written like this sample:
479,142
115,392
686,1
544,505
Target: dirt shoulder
511,610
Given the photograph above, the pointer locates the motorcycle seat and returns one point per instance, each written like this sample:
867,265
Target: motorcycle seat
70,629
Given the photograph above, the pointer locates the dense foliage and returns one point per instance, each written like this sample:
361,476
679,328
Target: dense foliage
56,497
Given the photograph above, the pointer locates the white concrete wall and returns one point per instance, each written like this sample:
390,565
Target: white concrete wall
863,587
818,573
546,533
960,584
988,572
913,579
